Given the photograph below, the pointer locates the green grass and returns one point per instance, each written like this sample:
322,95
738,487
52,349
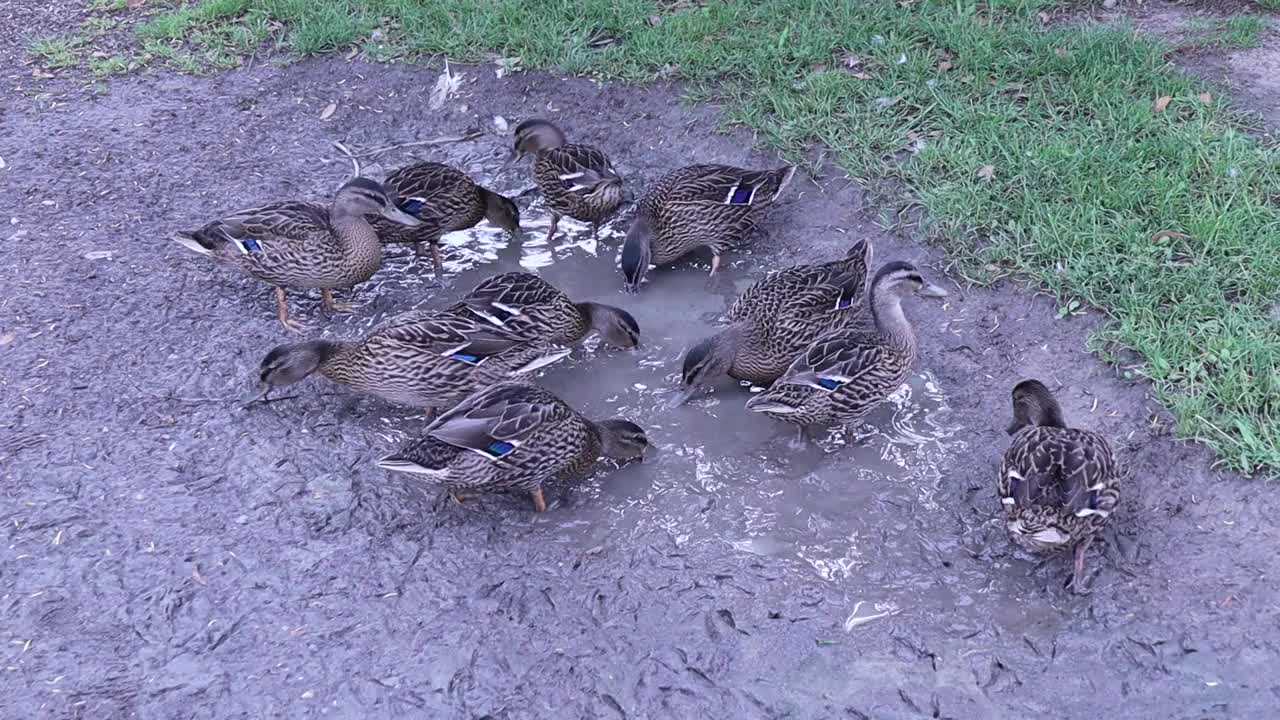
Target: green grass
1237,31
57,52
1166,221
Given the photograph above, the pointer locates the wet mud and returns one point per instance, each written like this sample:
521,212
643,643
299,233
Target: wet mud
170,555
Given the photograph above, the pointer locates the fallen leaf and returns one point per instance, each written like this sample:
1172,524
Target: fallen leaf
195,575
500,124
1044,18
328,111
7,338
41,74
655,20
1205,98
1061,52
945,65
99,254
860,76
850,60
1162,102
351,54
987,172
446,85
885,102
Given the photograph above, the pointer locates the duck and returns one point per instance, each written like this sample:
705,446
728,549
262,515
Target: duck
424,358
1058,485
299,244
776,318
530,307
443,199
846,373
575,180
699,206
513,436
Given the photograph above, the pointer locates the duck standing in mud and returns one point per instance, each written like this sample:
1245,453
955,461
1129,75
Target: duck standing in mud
303,244
1058,485
575,180
700,206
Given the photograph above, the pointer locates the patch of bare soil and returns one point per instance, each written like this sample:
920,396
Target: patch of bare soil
167,555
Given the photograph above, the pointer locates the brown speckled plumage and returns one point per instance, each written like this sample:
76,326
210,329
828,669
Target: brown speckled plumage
445,200
575,180
778,317
513,436
301,244
700,206
427,358
526,305
1058,486
845,374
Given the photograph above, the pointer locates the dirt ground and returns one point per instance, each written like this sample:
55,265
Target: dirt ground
170,556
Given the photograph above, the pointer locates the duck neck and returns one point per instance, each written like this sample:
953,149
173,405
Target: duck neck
338,360
359,241
891,322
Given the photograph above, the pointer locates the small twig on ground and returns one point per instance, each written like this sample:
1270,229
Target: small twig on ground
355,163
438,141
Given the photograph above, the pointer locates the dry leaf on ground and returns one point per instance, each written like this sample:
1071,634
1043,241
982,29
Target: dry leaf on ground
1206,98
328,111
446,86
986,172
1162,102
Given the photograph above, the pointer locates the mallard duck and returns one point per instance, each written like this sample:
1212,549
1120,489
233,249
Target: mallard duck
528,306
513,436
711,206
1058,485
576,180
303,244
425,358
844,374
444,200
776,318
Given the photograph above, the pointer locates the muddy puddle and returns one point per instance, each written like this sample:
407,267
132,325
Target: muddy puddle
717,474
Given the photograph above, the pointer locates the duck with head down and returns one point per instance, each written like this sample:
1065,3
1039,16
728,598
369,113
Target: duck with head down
575,180
514,437
444,200
845,374
700,206
1058,485
528,306
303,244
776,318
425,358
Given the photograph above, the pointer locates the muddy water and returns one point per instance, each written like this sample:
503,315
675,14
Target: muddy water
718,473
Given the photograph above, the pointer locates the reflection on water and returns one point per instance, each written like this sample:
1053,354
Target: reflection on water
718,473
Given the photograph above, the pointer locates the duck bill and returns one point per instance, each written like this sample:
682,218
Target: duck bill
396,215
681,397
258,394
933,291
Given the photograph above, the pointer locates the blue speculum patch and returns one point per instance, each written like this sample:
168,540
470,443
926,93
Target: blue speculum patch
498,448
412,206
741,195
466,358
828,383
251,245
566,184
